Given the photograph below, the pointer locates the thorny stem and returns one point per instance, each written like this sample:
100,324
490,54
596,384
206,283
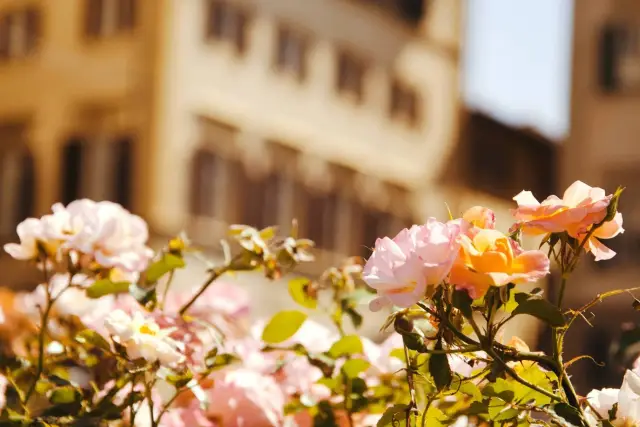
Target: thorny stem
412,390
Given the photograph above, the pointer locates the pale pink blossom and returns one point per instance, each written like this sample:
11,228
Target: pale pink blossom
143,338
580,208
30,232
379,355
244,398
401,268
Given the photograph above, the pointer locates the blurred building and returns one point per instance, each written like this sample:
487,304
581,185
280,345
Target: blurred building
603,149
196,114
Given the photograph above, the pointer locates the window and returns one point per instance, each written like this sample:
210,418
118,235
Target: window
619,58
100,169
19,33
403,103
17,179
375,223
72,161
350,76
122,159
106,17
291,54
226,22
204,168
321,219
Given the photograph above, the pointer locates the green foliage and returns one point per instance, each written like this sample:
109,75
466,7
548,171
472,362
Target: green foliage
300,292
103,287
538,307
346,346
169,262
283,326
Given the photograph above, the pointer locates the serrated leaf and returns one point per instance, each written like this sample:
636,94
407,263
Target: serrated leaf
354,367
569,413
64,395
499,411
393,415
439,368
345,346
539,308
167,263
91,337
103,287
299,291
283,326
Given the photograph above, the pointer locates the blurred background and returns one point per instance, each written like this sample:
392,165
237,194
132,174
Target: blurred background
357,117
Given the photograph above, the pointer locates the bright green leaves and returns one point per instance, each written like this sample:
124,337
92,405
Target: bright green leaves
538,307
346,346
89,337
64,395
302,293
283,326
164,265
354,367
103,287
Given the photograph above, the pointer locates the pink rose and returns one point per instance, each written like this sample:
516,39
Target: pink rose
243,398
401,268
580,208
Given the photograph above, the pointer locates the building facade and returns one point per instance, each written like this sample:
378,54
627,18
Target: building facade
197,114
603,150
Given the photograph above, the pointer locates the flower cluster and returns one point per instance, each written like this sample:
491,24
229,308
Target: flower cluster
90,232
107,340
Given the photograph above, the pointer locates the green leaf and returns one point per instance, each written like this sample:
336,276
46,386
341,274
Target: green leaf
103,287
470,389
283,326
91,337
354,367
415,342
439,368
500,411
179,380
462,301
540,308
393,416
64,395
501,389
299,291
347,345
217,361
569,413
167,263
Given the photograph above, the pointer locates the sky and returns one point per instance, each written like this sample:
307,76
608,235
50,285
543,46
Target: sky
517,62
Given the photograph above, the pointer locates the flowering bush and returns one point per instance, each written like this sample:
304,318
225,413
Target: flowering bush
106,339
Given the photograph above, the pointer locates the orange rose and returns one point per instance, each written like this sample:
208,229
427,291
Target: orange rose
489,258
580,208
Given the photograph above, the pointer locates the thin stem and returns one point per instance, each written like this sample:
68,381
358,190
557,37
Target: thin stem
44,318
215,274
446,321
166,288
517,377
